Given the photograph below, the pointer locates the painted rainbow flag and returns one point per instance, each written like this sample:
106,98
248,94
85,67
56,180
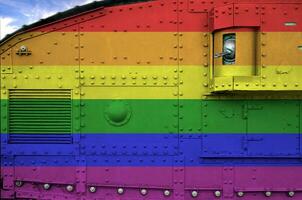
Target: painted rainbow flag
164,99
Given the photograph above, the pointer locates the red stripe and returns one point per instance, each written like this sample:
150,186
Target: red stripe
168,16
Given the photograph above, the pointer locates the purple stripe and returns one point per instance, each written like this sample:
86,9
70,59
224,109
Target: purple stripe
252,180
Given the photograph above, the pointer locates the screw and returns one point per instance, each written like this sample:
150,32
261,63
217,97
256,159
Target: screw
92,189
240,194
167,193
46,186
217,193
144,192
291,193
120,190
194,193
18,183
69,188
268,194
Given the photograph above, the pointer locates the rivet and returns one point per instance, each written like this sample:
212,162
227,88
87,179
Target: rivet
46,186
92,189
268,193
217,193
240,194
167,193
194,194
291,193
120,190
18,183
143,192
69,188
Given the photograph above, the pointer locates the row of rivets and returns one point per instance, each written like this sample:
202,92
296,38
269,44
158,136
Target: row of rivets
144,192
121,191
240,194
46,186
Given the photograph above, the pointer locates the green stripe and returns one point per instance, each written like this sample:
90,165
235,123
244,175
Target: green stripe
251,116
172,116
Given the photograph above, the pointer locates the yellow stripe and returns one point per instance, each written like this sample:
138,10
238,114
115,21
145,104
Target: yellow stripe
134,82
143,82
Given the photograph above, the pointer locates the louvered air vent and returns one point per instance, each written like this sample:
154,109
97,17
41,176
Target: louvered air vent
40,116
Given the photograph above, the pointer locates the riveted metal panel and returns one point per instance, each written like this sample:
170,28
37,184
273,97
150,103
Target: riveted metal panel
44,174
129,76
48,48
220,118
281,17
6,62
223,17
7,172
247,15
137,177
269,129
205,5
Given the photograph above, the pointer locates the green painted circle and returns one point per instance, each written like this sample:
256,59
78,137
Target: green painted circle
118,113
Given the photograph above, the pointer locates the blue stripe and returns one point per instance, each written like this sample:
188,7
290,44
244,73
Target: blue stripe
159,150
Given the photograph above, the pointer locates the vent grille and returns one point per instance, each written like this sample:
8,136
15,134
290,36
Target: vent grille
40,116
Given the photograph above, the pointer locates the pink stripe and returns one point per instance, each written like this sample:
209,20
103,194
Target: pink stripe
180,181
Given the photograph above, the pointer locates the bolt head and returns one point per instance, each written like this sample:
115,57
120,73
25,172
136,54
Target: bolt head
46,186
23,48
92,189
291,193
240,194
167,193
217,193
69,188
143,192
268,194
120,190
194,193
18,183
